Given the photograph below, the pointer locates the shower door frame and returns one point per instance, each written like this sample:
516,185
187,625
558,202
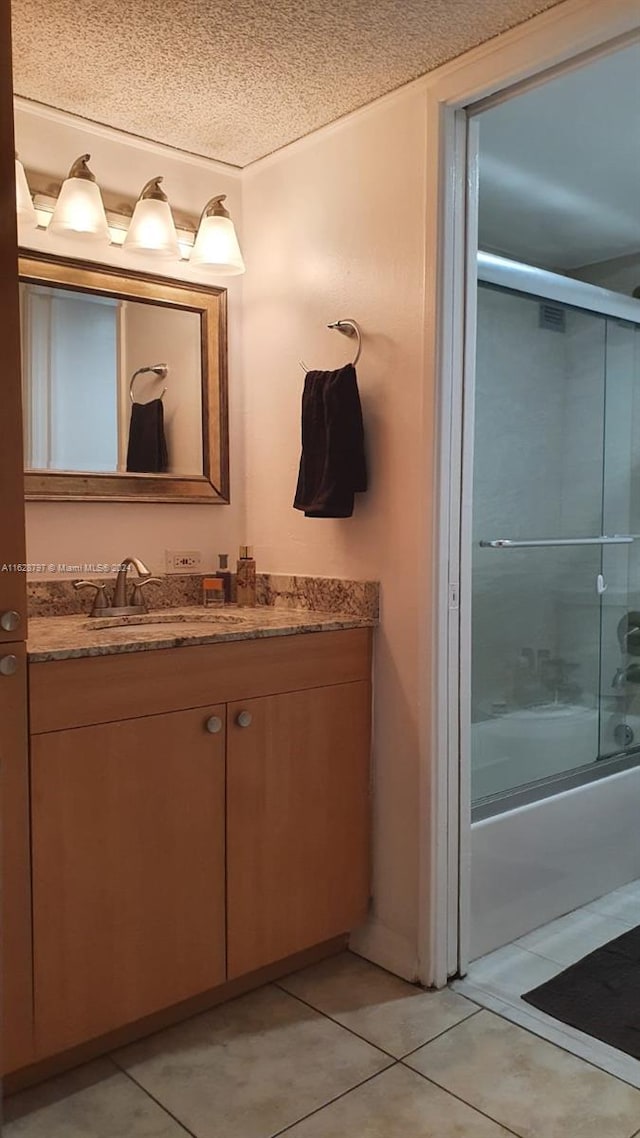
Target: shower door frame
561,38
519,279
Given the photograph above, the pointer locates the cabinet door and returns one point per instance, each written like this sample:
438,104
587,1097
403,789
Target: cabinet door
128,861
297,821
17,996
12,540
15,917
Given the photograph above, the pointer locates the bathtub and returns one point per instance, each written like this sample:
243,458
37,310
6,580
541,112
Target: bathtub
522,746
536,862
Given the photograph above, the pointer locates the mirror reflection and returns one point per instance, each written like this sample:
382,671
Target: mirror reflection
110,384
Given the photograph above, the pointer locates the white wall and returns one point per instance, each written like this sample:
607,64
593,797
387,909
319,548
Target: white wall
71,532
335,227
620,274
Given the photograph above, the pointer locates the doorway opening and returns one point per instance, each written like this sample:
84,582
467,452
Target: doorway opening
572,684
547,693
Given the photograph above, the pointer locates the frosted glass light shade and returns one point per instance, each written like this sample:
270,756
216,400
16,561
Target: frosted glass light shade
25,208
152,230
79,211
216,247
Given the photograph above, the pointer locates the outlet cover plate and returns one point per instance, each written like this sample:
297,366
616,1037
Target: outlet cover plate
182,560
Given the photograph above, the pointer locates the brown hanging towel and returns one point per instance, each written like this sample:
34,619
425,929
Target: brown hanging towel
147,451
332,465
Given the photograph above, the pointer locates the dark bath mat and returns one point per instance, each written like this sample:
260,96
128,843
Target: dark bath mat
599,995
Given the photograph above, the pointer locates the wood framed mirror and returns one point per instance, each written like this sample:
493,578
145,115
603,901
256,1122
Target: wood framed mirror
124,385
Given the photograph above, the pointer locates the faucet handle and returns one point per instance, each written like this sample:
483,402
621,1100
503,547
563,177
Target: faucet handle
137,596
100,598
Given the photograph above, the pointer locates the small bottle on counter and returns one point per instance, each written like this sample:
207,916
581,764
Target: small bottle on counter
224,575
246,577
212,591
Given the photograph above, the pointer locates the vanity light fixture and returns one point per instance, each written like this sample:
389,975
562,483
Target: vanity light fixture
25,208
79,211
216,246
152,229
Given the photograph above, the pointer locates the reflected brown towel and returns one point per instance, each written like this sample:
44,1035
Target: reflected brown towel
332,464
147,451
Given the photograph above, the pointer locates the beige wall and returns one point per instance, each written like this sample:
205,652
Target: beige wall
335,227
152,335
73,533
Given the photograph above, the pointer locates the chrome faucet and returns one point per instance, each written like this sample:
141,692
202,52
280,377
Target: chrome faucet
121,605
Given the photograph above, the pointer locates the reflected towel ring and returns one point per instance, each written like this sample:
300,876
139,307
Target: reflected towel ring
160,370
348,328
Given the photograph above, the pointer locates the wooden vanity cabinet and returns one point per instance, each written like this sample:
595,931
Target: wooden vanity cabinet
168,859
128,867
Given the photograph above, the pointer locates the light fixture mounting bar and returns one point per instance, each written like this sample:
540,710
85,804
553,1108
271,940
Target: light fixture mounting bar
45,192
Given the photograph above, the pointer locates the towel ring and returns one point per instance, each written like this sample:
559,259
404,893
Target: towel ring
348,328
160,370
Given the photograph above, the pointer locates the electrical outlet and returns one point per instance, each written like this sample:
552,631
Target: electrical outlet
182,560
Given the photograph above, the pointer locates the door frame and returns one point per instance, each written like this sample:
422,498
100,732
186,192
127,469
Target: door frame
528,55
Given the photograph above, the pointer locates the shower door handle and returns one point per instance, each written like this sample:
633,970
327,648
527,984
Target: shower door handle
601,587
507,543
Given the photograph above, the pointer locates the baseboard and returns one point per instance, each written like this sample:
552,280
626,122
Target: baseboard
52,1065
387,948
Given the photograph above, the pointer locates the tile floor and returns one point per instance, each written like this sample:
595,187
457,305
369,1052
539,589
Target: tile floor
497,981
339,1050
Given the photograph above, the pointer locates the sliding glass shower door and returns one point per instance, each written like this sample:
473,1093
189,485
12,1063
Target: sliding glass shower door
555,424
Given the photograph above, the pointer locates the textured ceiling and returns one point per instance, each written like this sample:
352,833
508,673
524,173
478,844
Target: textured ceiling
236,79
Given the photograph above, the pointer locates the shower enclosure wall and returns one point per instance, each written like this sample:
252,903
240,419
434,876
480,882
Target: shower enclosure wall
555,691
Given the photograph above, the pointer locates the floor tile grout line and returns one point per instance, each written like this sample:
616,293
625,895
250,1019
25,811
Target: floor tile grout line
331,1019
464,1101
554,1043
153,1098
477,1008
535,1014
537,951
611,917
337,1098
396,1058
527,951
562,965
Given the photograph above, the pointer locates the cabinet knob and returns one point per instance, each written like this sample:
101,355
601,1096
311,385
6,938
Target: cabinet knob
214,724
10,620
244,718
8,665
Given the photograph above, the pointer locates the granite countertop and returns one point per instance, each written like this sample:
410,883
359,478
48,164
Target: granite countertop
65,637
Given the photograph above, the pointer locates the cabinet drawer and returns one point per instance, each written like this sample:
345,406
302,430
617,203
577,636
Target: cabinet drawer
102,689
